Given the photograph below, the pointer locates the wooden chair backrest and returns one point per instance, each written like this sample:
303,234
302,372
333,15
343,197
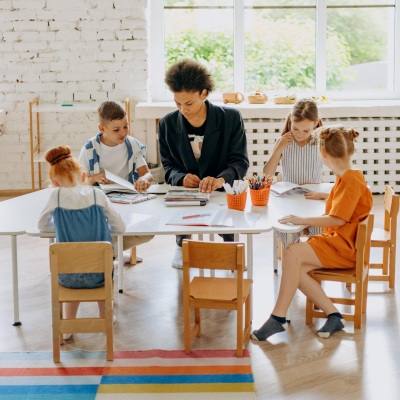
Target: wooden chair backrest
363,245
212,255
81,257
391,206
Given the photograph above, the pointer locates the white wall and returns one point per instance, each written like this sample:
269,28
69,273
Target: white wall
65,51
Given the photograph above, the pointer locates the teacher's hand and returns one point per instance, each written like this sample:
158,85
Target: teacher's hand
191,181
209,184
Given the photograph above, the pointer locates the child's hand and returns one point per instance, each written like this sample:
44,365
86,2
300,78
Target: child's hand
141,185
99,178
292,219
284,141
316,196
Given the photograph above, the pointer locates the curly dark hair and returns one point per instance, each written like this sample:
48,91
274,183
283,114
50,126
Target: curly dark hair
189,76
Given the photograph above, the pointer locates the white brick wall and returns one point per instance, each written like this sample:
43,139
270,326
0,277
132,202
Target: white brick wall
64,51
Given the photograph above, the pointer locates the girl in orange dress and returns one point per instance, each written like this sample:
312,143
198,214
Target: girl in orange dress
349,202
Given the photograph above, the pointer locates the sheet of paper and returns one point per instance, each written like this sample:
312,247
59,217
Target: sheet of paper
227,217
117,180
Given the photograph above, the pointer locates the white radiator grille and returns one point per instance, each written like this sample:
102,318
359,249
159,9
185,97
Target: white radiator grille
377,148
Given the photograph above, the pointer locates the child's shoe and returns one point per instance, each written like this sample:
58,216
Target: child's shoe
177,260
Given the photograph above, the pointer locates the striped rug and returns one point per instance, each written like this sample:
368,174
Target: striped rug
150,374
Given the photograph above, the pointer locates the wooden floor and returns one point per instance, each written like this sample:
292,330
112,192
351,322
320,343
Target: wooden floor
296,364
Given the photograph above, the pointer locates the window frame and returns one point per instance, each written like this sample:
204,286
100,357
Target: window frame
157,71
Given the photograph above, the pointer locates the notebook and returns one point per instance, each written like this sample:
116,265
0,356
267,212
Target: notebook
129,198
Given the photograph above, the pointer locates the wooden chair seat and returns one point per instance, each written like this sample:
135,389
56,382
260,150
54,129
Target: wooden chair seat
217,289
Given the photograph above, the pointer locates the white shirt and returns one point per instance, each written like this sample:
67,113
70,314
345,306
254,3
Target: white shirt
112,158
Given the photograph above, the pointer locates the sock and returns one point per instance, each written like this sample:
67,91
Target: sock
335,322
281,320
273,325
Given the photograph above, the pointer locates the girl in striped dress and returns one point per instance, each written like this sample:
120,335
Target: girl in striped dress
296,150
298,153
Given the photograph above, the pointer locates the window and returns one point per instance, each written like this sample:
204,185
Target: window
344,49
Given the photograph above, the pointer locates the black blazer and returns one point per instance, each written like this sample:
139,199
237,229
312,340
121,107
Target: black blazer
223,153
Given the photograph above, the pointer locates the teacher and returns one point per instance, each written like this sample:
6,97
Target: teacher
202,145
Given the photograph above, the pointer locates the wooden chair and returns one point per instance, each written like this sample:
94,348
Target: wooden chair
78,257
215,292
357,275
385,238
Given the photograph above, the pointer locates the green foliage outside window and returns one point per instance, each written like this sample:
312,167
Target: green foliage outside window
282,61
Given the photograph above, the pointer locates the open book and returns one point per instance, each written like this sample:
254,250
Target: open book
121,185
226,217
291,189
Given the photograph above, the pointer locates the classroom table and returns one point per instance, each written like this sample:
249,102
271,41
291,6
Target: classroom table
150,217
15,215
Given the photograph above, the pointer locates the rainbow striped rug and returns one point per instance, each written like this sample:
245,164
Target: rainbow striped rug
150,374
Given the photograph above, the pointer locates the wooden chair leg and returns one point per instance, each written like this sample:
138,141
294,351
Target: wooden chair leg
239,332
57,337
133,260
187,332
392,265
358,305
197,320
309,311
385,261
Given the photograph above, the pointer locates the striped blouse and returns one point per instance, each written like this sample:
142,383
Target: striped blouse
301,164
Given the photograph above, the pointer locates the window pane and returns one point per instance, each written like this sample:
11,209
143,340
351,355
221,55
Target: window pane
360,51
279,3
351,3
280,48
201,30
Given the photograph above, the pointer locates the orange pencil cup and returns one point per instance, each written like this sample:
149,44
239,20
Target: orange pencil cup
237,201
260,197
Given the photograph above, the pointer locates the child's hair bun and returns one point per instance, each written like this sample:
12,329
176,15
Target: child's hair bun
353,134
57,154
325,132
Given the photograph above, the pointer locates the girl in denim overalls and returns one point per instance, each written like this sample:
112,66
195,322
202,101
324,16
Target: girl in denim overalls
77,213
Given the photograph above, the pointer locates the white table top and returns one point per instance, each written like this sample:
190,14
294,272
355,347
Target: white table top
149,217
20,212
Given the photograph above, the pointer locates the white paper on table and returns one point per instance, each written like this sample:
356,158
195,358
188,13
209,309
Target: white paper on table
207,217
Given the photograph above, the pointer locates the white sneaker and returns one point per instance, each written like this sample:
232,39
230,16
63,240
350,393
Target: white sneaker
127,259
177,260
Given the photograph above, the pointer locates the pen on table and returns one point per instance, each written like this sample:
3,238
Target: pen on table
196,216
